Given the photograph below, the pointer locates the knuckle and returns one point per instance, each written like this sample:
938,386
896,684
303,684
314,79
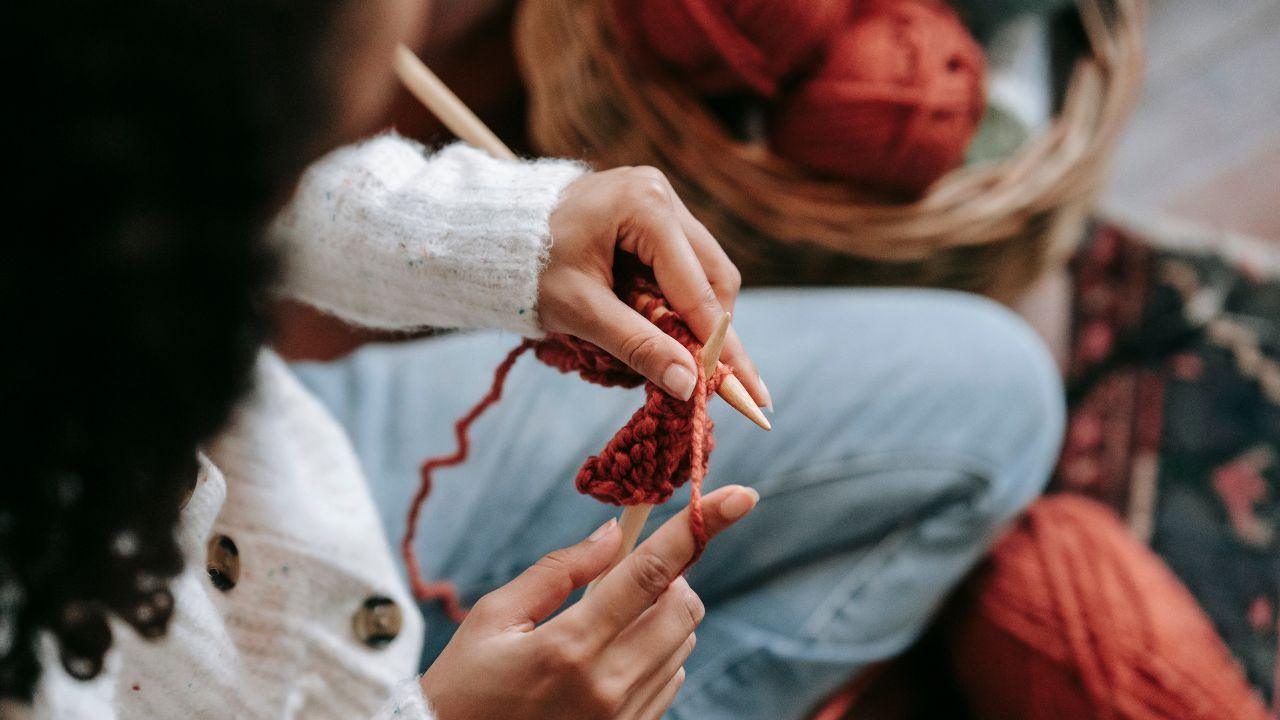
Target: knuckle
651,573
606,698
694,609
570,657
708,299
546,660
484,607
555,561
648,190
650,174
731,278
555,569
641,349
596,707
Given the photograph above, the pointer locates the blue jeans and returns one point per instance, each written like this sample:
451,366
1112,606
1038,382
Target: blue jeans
910,426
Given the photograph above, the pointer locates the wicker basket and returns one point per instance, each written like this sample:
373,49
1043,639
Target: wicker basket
990,228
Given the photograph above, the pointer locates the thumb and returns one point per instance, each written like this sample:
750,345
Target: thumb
625,334
543,588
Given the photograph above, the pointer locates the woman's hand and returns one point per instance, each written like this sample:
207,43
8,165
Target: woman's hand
617,654
635,210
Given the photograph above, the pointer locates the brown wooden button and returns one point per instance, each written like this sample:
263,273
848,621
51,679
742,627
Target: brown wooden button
81,668
150,616
223,562
378,621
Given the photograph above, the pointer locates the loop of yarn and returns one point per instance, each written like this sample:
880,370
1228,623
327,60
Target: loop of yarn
1074,617
665,443
726,46
653,453
894,105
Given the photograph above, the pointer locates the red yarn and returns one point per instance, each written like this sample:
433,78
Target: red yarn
1074,618
895,104
722,46
665,443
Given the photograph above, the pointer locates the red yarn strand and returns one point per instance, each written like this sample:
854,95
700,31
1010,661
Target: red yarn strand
666,443
445,592
700,437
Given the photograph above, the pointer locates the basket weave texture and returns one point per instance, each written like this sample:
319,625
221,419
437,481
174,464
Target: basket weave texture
990,228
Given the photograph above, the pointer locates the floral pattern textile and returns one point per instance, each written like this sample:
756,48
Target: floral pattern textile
1175,422
1174,390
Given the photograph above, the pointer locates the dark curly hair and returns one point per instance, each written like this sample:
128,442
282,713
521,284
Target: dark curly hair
153,140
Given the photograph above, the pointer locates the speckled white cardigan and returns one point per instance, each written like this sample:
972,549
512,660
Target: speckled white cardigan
384,235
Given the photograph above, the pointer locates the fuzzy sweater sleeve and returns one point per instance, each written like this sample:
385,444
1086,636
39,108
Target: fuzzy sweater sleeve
406,703
384,235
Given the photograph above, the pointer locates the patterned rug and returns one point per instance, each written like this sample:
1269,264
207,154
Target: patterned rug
1175,422
1174,393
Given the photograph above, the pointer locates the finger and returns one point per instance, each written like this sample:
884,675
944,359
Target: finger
723,275
625,334
642,697
726,281
631,587
648,643
659,240
543,588
664,698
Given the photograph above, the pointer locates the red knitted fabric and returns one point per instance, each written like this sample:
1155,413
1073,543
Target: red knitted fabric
665,443
1074,618
895,104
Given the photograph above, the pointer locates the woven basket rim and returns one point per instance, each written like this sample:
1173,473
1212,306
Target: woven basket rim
1064,165
990,228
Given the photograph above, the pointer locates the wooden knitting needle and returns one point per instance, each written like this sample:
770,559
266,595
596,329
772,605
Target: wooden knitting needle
456,116
634,516
441,101
731,388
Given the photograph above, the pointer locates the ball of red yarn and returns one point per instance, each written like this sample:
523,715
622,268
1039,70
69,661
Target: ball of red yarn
895,103
723,46
1074,618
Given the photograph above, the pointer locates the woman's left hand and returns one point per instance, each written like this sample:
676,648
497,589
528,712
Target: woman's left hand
635,210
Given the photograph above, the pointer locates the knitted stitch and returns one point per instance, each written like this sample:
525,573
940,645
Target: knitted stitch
665,443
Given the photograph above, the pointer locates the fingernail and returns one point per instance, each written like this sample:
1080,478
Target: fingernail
768,398
693,602
739,503
679,381
602,530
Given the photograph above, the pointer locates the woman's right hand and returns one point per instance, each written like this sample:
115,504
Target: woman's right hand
617,654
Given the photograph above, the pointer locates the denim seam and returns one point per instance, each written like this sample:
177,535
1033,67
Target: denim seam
844,592
851,467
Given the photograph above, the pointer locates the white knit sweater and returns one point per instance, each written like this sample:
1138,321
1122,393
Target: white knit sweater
383,235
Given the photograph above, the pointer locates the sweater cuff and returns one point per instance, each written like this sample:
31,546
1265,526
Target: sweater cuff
406,703
386,236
